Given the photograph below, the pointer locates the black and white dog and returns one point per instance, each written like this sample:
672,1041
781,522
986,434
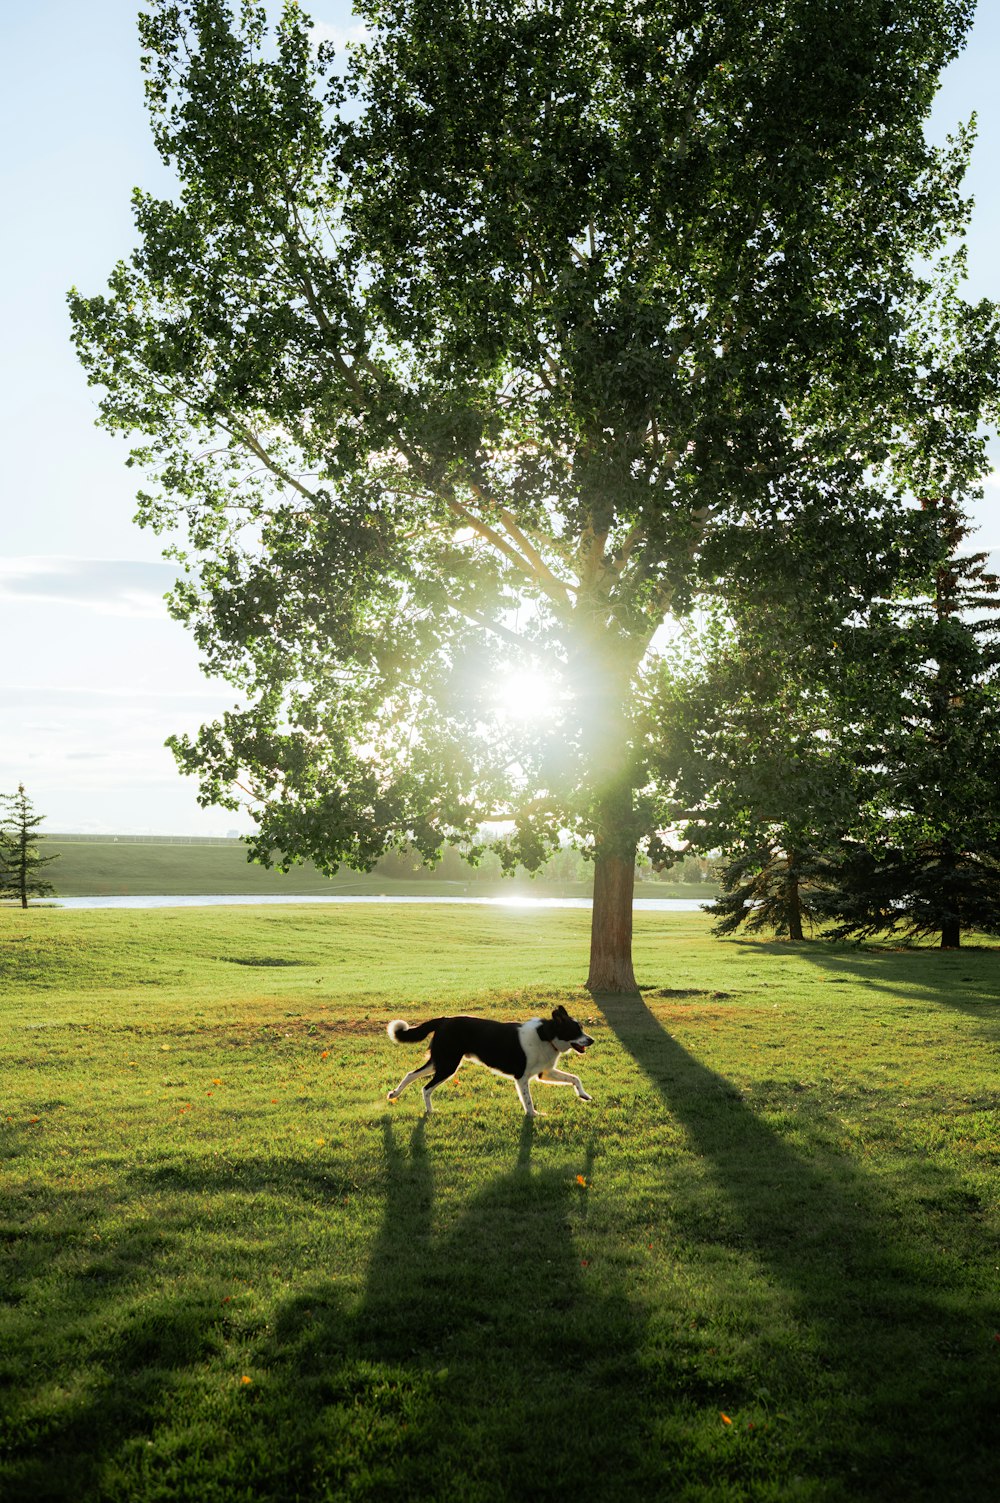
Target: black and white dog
524,1051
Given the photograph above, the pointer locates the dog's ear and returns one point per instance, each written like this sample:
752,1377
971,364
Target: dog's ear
559,1012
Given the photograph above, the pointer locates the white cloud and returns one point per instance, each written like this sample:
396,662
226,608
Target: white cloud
113,587
101,762
341,36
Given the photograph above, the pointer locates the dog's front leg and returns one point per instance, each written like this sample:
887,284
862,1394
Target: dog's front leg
563,1077
524,1091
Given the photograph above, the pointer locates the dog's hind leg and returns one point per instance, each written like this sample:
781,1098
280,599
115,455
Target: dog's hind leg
443,1070
523,1087
563,1077
424,1069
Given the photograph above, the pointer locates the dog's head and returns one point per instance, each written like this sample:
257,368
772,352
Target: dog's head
565,1032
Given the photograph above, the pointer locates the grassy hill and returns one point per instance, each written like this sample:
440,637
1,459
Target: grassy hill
105,866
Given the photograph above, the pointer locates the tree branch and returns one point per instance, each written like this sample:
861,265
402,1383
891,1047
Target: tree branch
592,545
277,470
522,560
556,588
622,555
504,632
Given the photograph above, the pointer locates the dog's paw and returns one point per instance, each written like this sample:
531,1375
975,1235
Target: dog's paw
392,1096
583,1096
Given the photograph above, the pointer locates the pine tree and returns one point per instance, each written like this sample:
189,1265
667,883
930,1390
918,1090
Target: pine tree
749,738
767,887
20,863
926,854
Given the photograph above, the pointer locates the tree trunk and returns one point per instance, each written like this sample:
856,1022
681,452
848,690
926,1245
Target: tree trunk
614,889
951,934
611,924
793,903
611,665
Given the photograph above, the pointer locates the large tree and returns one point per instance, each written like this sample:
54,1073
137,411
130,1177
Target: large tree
492,355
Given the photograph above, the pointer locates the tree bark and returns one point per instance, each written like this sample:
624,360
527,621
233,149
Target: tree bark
614,890
611,924
793,902
611,664
951,934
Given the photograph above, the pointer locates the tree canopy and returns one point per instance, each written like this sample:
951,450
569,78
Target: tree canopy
499,350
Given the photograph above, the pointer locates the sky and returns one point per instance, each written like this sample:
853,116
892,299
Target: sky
94,675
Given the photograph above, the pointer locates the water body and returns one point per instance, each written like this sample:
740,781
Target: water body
642,905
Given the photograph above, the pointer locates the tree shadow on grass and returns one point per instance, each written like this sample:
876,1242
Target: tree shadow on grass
900,1353
473,1359
966,981
469,1364
108,1321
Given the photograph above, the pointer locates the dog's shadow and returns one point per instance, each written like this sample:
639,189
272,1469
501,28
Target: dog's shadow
477,1319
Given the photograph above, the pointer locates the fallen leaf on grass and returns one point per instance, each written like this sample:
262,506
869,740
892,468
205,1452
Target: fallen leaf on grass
724,1418
581,1181
244,1380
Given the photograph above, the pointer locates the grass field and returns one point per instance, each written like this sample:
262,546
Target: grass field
762,1265
103,866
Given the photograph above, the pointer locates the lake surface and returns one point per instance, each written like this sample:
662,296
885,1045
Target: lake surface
642,905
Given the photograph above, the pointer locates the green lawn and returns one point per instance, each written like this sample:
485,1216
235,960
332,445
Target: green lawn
762,1265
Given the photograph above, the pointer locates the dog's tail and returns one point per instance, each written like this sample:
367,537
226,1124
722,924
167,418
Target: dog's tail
401,1032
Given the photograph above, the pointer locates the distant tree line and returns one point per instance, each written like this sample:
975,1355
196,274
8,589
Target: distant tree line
569,864
848,771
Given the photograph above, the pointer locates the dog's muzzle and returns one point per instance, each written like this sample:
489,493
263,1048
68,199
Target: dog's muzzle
582,1044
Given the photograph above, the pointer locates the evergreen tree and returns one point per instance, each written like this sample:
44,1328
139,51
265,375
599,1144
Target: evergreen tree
750,742
20,862
772,886
924,857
